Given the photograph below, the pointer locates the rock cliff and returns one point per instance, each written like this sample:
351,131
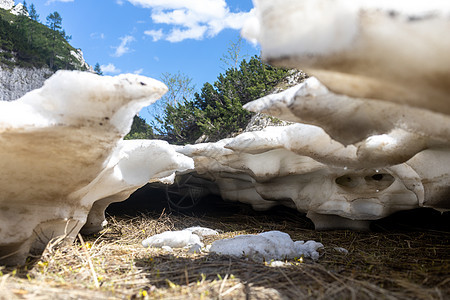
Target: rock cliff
16,82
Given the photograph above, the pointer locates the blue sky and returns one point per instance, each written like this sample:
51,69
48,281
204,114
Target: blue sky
151,37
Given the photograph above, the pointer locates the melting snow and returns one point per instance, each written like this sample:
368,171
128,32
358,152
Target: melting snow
267,245
181,238
271,245
173,239
201,231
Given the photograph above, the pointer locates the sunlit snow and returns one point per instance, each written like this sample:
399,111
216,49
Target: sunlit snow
189,237
267,246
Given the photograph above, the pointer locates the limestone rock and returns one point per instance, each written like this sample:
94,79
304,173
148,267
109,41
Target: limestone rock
16,82
60,145
19,10
388,50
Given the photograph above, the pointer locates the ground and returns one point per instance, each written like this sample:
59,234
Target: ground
403,257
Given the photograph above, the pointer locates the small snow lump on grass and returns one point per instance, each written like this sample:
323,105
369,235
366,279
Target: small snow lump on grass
269,245
173,239
179,239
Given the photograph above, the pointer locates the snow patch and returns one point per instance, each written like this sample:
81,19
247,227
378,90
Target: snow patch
202,231
189,237
6,4
19,10
173,239
271,245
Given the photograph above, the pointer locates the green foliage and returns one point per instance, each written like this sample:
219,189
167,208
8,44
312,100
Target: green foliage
25,42
98,69
179,123
217,111
33,13
139,130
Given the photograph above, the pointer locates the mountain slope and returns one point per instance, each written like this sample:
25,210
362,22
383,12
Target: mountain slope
27,43
30,52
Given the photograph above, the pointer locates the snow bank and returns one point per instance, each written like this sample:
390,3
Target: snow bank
62,154
373,135
364,49
338,186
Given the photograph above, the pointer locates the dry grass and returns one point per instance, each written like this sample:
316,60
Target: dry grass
389,263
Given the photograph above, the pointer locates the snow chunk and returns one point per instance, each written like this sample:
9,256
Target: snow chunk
267,245
167,248
202,231
181,238
196,248
173,239
341,250
278,263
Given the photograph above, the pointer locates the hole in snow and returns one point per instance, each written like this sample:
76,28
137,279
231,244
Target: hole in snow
377,177
346,181
379,181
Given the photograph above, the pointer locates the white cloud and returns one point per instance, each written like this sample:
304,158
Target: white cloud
155,34
123,47
110,68
195,32
138,72
120,2
51,1
97,36
191,19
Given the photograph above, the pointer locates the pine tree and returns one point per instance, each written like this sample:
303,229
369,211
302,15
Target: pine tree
98,69
217,111
140,130
33,13
25,7
54,21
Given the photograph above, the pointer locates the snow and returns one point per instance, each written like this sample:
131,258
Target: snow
308,15
341,250
6,4
58,141
366,49
196,248
173,239
323,26
202,231
133,164
271,245
189,237
19,10
385,133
